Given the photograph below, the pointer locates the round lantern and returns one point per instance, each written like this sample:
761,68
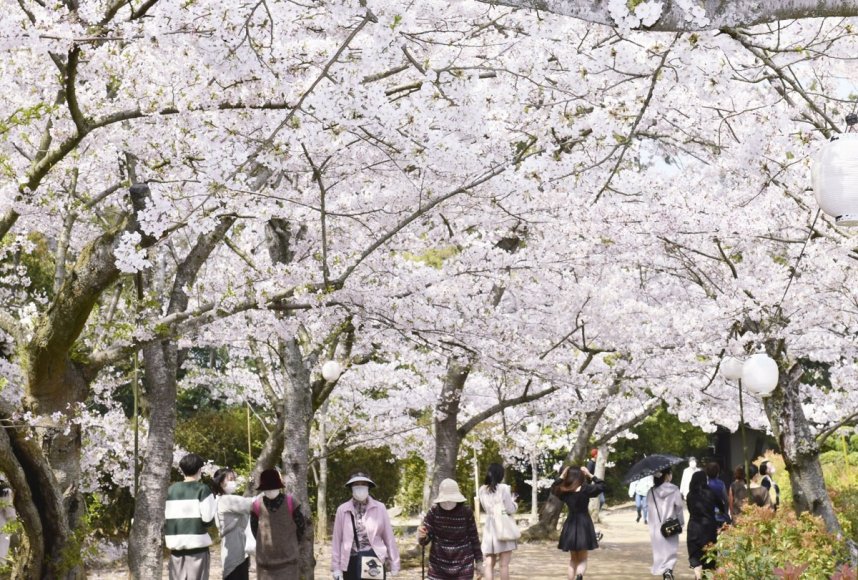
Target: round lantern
331,371
760,374
835,178
731,368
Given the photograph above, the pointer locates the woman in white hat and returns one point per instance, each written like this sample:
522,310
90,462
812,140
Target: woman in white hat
362,534
450,527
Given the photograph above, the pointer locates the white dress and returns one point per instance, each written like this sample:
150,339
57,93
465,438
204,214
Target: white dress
490,544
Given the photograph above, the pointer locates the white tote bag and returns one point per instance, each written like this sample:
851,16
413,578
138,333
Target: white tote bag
504,526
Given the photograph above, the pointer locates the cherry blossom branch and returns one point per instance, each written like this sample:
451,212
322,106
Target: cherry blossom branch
648,408
674,18
626,143
788,79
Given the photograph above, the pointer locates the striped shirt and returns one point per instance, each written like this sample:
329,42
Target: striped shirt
189,511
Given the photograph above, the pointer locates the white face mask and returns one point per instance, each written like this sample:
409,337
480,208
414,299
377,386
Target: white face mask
229,487
271,493
447,505
360,492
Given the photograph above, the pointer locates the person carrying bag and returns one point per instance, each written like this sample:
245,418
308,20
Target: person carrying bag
363,546
664,533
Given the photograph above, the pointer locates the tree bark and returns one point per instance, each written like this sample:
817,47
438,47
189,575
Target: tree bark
736,13
38,503
145,544
799,447
160,362
447,437
57,380
322,487
271,452
298,416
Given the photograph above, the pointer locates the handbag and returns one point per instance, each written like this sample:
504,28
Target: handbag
249,540
504,526
367,565
670,526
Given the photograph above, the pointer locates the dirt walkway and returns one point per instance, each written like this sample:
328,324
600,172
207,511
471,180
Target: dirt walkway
624,554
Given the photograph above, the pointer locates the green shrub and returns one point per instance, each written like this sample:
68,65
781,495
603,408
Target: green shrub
766,545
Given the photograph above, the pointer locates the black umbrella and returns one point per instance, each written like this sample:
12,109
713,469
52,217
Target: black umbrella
651,465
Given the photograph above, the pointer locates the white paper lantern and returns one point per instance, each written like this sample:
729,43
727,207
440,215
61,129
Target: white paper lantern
834,173
731,368
760,374
331,371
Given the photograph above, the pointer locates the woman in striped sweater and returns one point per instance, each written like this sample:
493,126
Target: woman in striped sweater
450,527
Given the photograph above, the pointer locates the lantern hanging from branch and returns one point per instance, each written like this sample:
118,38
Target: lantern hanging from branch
731,368
760,374
331,371
835,176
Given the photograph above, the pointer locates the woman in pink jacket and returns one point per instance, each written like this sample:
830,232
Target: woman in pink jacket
362,530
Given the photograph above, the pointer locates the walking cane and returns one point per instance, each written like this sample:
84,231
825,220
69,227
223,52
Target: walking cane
422,562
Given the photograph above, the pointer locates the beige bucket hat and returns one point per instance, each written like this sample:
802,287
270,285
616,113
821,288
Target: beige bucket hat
449,491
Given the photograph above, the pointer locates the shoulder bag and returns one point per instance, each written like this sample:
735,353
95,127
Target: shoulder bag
369,566
670,526
504,526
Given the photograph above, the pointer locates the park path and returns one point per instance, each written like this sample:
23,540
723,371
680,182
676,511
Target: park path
623,554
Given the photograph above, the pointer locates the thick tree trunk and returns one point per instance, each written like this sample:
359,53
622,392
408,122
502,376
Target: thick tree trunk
61,386
799,448
298,416
38,503
145,545
447,437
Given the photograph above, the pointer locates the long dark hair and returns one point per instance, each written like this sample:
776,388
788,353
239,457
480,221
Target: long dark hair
219,478
659,479
573,480
494,475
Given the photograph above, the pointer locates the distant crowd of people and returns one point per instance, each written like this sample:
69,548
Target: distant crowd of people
271,525
710,504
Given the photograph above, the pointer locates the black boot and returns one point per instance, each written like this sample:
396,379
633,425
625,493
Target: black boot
579,577
668,575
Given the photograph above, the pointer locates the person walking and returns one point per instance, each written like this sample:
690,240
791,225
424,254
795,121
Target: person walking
189,510
493,495
578,535
666,500
737,495
713,471
362,529
703,504
757,493
638,490
685,481
278,525
450,527
232,517
767,470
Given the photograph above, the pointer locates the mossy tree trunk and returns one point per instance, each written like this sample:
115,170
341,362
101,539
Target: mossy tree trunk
797,443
